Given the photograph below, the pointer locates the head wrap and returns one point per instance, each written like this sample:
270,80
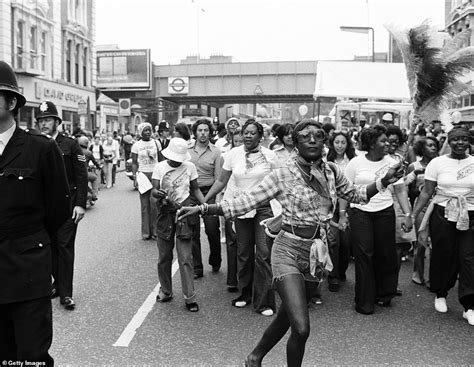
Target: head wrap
142,127
459,131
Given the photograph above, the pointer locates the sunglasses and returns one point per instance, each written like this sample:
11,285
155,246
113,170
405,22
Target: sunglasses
305,136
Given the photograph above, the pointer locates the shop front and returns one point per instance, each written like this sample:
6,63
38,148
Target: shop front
76,105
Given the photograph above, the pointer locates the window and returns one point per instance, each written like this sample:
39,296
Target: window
84,67
19,45
33,47
68,61
76,64
43,52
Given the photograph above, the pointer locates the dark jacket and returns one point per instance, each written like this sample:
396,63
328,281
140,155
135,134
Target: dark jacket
76,169
34,203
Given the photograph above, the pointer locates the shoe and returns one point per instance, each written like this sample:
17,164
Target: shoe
54,293
469,316
146,238
267,312
192,307
398,292
68,303
198,275
164,298
404,259
153,237
361,311
384,303
416,279
333,285
232,289
440,304
318,300
216,268
240,302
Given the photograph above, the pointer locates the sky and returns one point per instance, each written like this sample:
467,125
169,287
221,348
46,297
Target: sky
256,30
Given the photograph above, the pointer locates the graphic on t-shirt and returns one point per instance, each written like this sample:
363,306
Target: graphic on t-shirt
147,156
464,172
174,186
381,171
254,159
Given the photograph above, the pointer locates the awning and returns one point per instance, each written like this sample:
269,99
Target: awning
371,80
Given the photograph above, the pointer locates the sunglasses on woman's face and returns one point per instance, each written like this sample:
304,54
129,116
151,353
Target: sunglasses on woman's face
304,136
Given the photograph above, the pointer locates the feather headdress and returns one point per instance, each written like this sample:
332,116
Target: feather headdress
434,64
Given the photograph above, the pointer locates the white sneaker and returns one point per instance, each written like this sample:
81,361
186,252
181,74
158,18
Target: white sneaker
440,304
469,316
269,312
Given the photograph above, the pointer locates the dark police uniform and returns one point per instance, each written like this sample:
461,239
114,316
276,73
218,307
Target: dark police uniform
34,203
63,253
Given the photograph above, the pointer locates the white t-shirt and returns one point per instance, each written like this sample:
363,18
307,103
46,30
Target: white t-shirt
452,175
147,154
361,171
247,178
175,180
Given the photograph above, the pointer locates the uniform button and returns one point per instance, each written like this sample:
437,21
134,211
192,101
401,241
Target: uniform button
40,245
20,177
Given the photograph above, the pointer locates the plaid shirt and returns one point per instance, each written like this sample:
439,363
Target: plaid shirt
302,205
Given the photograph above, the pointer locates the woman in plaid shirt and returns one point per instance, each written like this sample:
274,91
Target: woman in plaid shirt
307,188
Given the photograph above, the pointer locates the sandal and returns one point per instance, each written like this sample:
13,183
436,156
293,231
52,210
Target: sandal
192,307
164,298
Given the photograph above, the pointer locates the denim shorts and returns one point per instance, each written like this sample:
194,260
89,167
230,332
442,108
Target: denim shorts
290,255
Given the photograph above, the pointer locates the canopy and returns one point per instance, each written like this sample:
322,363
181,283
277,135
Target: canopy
353,79
372,107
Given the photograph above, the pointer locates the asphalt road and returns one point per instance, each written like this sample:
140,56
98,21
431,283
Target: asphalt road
115,274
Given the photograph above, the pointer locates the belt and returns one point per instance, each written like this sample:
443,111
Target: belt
306,232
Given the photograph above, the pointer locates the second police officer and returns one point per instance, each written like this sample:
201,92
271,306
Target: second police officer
63,255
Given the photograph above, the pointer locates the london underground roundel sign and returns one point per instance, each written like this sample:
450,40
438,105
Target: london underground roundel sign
178,85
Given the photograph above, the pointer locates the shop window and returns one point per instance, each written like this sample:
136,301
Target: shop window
25,117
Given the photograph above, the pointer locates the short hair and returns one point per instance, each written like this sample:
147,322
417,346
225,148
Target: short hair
421,143
256,124
327,127
370,135
183,130
395,130
275,128
203,122
300,125
350,150
283,130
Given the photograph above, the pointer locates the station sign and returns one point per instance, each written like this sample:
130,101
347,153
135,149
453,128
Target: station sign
178,85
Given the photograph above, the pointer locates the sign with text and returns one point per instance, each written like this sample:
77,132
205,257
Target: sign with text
124,69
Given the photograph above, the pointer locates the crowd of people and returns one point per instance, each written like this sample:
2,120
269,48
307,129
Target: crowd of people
299,202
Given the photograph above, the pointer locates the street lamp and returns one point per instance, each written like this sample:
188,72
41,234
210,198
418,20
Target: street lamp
365,30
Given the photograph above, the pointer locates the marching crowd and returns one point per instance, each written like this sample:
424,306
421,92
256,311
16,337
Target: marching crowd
298,202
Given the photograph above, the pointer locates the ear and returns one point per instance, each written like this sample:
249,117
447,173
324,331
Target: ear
12,104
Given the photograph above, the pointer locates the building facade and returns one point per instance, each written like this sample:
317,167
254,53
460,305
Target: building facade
50,45
459,15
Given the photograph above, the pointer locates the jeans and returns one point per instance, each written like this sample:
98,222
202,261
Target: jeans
211,225
376,269
339,250
166,243
254,268
94,183
149,212
108,174
231,246
452,255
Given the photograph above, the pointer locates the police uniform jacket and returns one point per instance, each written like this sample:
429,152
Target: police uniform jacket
34,203
76,169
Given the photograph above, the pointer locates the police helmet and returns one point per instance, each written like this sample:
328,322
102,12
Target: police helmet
47,109
9,83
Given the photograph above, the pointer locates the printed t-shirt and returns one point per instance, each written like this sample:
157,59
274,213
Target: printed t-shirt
147,154
175,180
361,171
453,175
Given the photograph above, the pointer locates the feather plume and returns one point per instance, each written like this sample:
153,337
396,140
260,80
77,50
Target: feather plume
435,64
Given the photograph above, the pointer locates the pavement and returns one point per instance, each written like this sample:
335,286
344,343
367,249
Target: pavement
117,322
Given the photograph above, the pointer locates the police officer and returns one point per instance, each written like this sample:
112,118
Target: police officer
76,170
34,203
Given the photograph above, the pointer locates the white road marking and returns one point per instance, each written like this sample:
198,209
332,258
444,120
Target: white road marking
129,332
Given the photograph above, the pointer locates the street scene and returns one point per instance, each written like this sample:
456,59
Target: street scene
236,183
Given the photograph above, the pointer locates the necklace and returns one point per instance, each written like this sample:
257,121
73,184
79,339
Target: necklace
302,170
